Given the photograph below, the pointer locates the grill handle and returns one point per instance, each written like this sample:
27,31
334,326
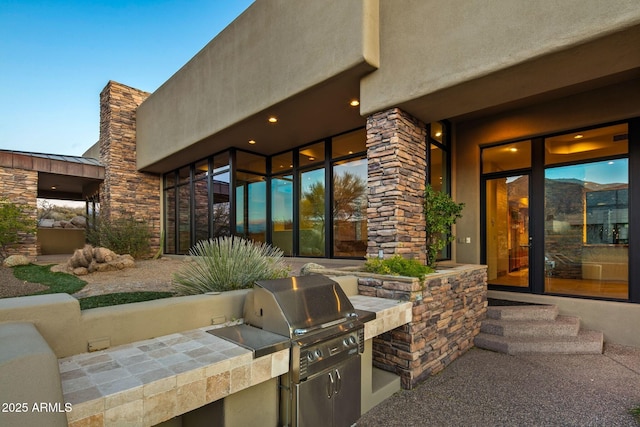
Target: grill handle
338,382
330,386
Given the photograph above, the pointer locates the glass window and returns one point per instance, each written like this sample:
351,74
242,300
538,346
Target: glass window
201,208
437,168
170,220
282,213
350,208
311,154
184,219
312,213
221,162
349,143
507,157
170,179
436,132
251,206
221,206
587,229
184,175
201,170
282,162
250,162
576,146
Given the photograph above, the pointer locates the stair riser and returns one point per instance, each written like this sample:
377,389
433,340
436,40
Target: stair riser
523,313
587,342
551,330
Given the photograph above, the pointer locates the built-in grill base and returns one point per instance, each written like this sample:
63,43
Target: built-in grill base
312,316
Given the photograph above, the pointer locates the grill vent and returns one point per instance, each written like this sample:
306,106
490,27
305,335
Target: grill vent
361,340
303,364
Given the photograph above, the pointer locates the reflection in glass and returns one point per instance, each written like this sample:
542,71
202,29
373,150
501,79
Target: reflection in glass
201,207
310,154
282,162
507,157
251,206
437,169
587,229
250,162
221,207
312,213
350,209
507,231
184,219
170,220
282,213
349,143
584,145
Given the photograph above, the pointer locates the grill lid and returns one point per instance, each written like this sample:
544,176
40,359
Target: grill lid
297,305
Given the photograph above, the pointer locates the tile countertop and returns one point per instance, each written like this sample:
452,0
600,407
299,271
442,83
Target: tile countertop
147,382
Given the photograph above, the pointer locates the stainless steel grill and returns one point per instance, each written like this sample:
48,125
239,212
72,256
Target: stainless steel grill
313,316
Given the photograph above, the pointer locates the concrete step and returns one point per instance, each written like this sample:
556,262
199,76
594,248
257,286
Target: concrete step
561,326
586,342
523,312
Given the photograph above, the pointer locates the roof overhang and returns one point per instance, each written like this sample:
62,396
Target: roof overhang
59,177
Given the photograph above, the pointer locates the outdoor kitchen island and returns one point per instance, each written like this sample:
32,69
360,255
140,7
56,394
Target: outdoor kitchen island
153,381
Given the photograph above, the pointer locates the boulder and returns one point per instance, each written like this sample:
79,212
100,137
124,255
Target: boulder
79,221
80,271
46,223
104,254
78,260
14,260
306,269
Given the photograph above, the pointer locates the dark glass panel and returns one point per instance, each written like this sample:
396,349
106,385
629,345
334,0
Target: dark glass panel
312,213
349,143
350,208
282,213
507,157
311,154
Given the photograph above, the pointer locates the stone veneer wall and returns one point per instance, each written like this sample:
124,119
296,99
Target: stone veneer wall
447,311
21,187
124,188
396,154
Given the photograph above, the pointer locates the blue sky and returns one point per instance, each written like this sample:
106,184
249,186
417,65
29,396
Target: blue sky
56,56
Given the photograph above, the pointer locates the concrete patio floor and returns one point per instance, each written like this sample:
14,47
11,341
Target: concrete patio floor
483,388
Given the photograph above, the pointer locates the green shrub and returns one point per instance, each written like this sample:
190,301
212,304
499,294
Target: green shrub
440,212
14,222
229,263
123,235
398,266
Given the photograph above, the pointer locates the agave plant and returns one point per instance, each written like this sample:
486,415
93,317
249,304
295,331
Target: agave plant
228,263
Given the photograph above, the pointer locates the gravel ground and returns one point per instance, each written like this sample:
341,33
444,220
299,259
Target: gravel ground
147,275
10,286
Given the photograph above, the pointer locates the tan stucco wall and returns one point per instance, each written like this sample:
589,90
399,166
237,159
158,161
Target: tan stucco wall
273,51
430,47
69,331
611,103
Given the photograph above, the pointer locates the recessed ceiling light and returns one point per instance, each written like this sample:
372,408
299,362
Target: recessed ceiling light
438,133
610,163
273,119
354,102
513,149
53,187
578,136
252,141
312,159
350,152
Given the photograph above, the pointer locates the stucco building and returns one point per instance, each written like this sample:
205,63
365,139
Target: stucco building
315,126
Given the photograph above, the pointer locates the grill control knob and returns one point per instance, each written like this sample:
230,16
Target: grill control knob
345,342
352,339
318,353
310,356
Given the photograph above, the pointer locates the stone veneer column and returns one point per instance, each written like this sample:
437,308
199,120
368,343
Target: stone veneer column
396,153
20,186
125,189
